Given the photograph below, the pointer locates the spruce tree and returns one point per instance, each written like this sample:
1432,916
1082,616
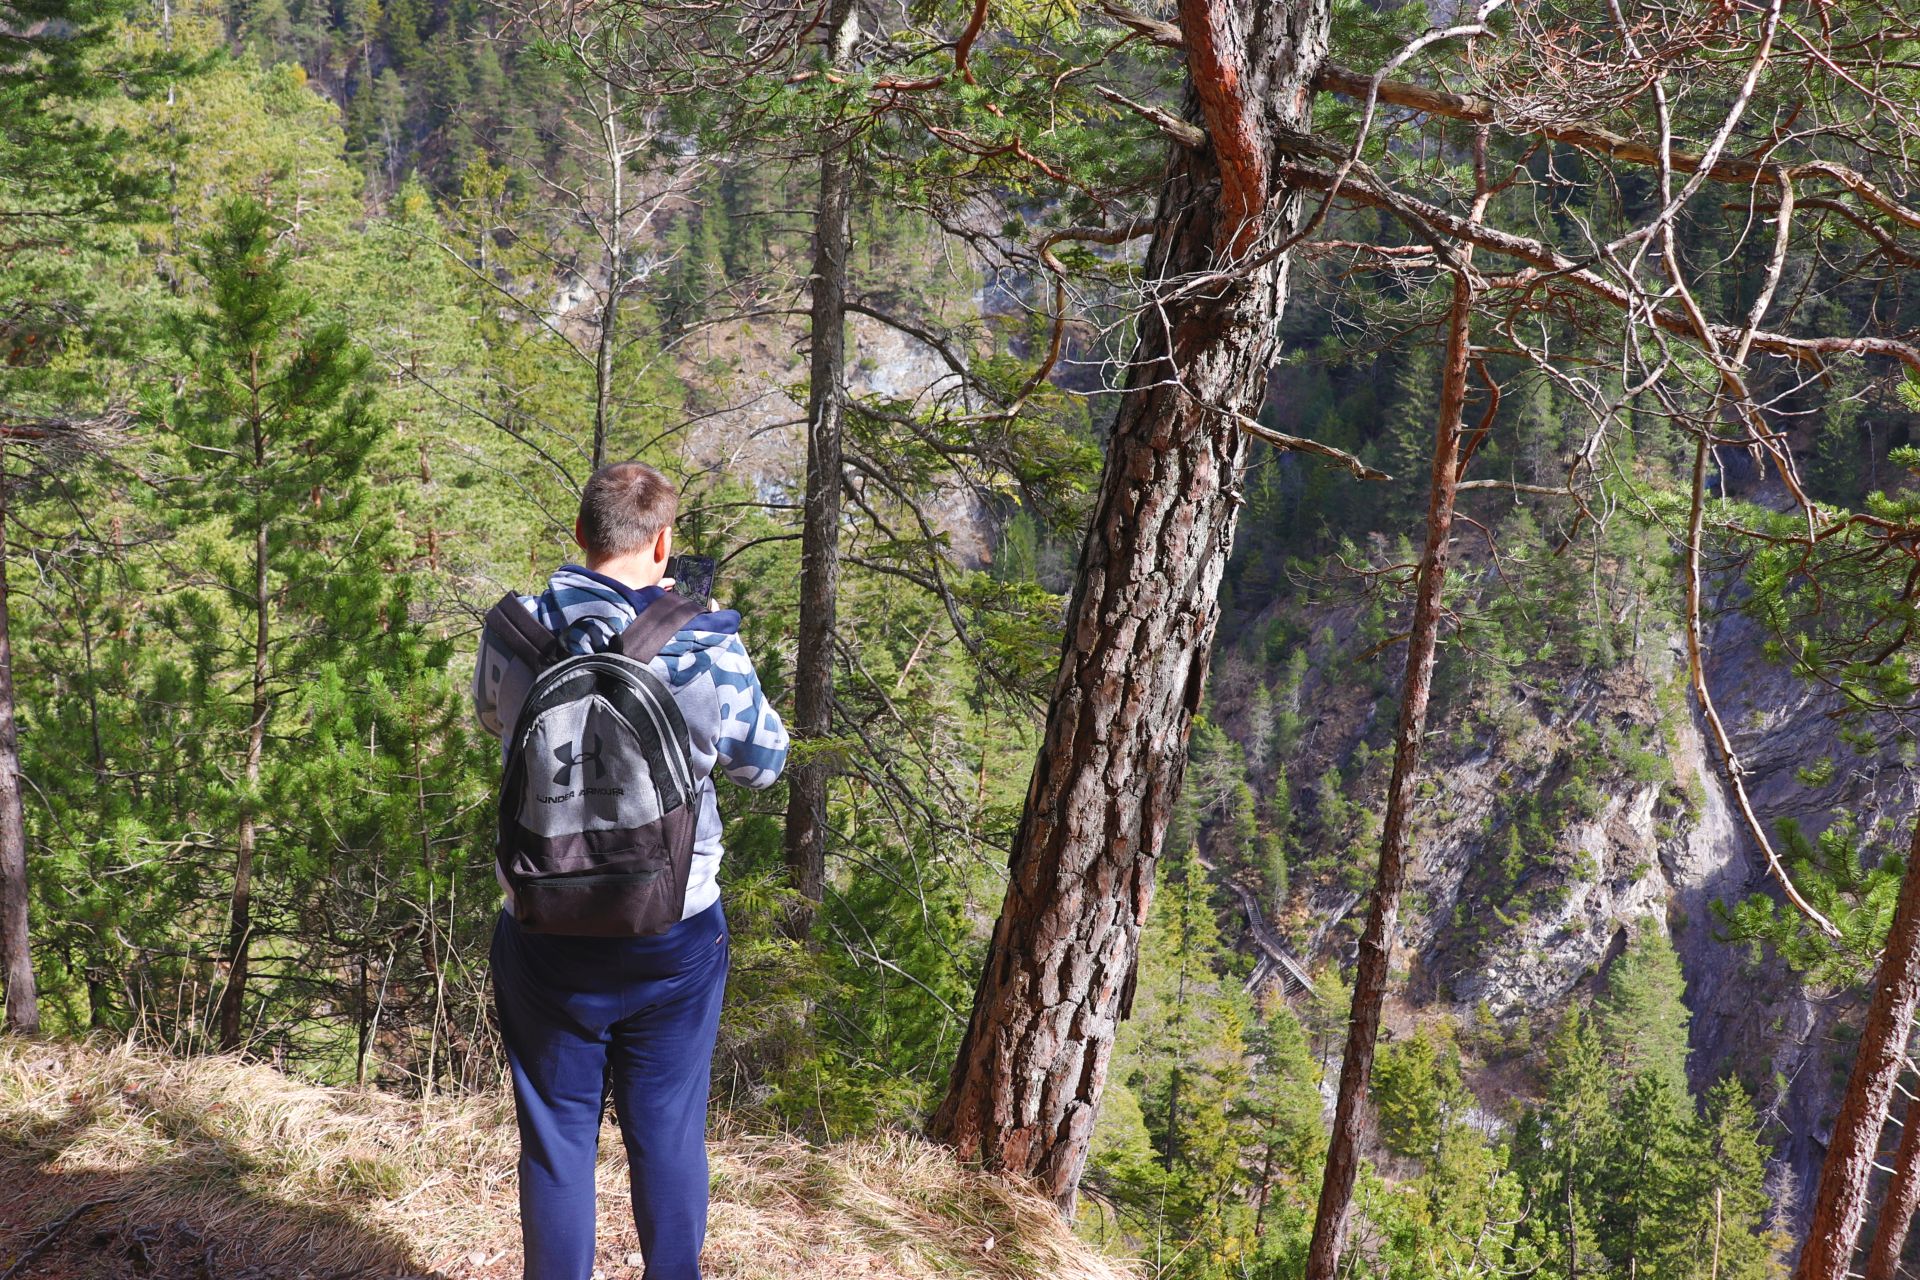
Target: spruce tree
1539,433
1259,732
1241,827
1726,1206
1184,1056
389,143
1835,473
1642,1178
1407,441
1642,1013
61,170
1273,868
1560,1150
1417,1094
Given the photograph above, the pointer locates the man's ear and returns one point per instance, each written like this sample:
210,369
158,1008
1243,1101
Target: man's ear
578,539
663,545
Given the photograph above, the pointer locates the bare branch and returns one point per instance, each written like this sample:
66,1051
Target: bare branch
1349,83
1553,266
1164,34
1697,675
1299,444
1174,127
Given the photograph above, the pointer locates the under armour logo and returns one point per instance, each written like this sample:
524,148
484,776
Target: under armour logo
568,758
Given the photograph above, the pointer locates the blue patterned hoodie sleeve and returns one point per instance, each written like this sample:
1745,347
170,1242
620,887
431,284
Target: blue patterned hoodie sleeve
750,741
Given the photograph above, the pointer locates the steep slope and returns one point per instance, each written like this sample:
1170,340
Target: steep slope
1561,811
1753,1017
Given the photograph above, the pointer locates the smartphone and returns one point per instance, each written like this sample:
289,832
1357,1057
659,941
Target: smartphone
692,576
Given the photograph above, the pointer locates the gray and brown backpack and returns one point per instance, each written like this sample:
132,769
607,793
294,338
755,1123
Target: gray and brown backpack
597,794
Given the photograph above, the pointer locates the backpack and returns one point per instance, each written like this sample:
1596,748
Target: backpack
597,795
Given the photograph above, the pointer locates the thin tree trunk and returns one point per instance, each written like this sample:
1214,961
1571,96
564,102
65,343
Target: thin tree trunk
240,916
1902,1201
806,832
1266,1188
93,688
361,1025
1573,1223
1840,1200
1376,944
16,943
98,1003
1061,968
1179,1032
1719,1195
610,308
432,944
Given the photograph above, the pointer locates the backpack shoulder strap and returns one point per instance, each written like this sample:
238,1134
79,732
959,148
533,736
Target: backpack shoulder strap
656,624
521,632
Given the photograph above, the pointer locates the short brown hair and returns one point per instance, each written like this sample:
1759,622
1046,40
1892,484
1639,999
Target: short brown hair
624,507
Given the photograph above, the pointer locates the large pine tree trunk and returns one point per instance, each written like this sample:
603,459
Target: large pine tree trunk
806,832
1902,1202
1840,1201
1059,974
1376,943
16,946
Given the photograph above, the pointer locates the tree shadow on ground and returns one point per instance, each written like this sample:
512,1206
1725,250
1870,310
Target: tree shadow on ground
182,1208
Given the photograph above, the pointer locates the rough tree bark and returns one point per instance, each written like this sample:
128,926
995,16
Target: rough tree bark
16,946
1901,1203
1376,944
1840,1200
806,832
1059,974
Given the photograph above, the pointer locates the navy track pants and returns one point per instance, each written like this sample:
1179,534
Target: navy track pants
640,1013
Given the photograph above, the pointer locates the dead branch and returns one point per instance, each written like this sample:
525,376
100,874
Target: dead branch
1174,127
1697,675
1164,34
1300,444
1515,486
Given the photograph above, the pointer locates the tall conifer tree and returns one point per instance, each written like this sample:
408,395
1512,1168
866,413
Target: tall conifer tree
276,424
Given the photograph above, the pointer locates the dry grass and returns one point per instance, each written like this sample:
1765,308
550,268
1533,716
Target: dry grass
260,1174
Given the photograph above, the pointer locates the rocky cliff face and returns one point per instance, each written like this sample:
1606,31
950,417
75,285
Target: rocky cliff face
748,378
1628,823
1795,1044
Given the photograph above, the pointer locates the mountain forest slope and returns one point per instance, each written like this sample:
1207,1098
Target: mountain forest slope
314,317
